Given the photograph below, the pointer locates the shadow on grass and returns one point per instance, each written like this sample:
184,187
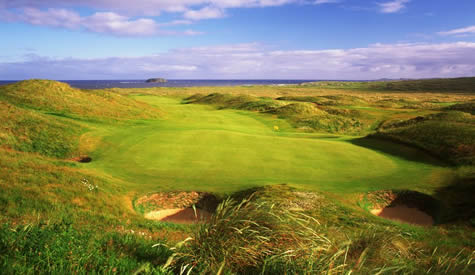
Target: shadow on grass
398,150
459,199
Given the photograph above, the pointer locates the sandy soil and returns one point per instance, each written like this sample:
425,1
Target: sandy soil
179,215
405,214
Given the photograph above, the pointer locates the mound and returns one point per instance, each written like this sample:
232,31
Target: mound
261,105
402,103
304,115
450,136
240,102
222,100
313,99
468,107
345,100
330,100
298,109
60,98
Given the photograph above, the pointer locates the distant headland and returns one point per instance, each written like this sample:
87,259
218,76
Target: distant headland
156,80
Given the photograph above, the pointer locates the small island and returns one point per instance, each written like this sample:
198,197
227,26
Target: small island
156,80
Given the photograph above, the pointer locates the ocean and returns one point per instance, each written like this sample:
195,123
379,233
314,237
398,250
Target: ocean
102,84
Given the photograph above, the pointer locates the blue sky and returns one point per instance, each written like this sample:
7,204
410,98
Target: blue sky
236,39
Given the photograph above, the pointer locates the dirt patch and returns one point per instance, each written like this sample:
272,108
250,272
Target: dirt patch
404,206
177,207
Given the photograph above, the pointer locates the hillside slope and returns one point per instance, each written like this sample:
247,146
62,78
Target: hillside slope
60,98
49,117
448,135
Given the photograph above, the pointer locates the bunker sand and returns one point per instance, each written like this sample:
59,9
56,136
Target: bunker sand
404,214
179,215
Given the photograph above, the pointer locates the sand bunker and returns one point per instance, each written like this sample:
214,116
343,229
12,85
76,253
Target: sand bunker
179,215
177,207
405,214
404,206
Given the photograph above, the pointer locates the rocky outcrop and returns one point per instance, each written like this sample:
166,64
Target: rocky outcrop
156,80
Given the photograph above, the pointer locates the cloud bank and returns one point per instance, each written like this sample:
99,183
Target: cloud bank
124,17
152,7
253,61
99,22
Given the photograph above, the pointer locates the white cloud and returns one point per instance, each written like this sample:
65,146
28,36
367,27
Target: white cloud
99,22
192,32
254,61
393,6
462,31
148,7
51,17
204,13
318,2
109,22
153,7
125,17
176,23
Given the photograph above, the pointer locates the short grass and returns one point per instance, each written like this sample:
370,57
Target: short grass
200,148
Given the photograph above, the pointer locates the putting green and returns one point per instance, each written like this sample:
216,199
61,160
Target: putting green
197,147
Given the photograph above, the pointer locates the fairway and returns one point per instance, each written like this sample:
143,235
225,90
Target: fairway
197,147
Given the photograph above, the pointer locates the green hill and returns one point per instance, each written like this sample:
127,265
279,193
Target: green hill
59,98
450,135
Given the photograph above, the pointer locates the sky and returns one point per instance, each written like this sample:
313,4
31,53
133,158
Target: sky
236,39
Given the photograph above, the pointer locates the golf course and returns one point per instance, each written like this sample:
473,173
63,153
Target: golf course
196,147
307,179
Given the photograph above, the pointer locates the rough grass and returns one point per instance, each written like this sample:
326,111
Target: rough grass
61,249
304,115
242,102
59,98
29,131
466,84
274,232
47,117
467,107
450,136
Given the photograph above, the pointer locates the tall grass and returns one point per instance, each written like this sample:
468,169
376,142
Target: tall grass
259,236
241,237
61,249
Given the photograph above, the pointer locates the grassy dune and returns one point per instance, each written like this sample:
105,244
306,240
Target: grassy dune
60,99
465,84
450,136
292,149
